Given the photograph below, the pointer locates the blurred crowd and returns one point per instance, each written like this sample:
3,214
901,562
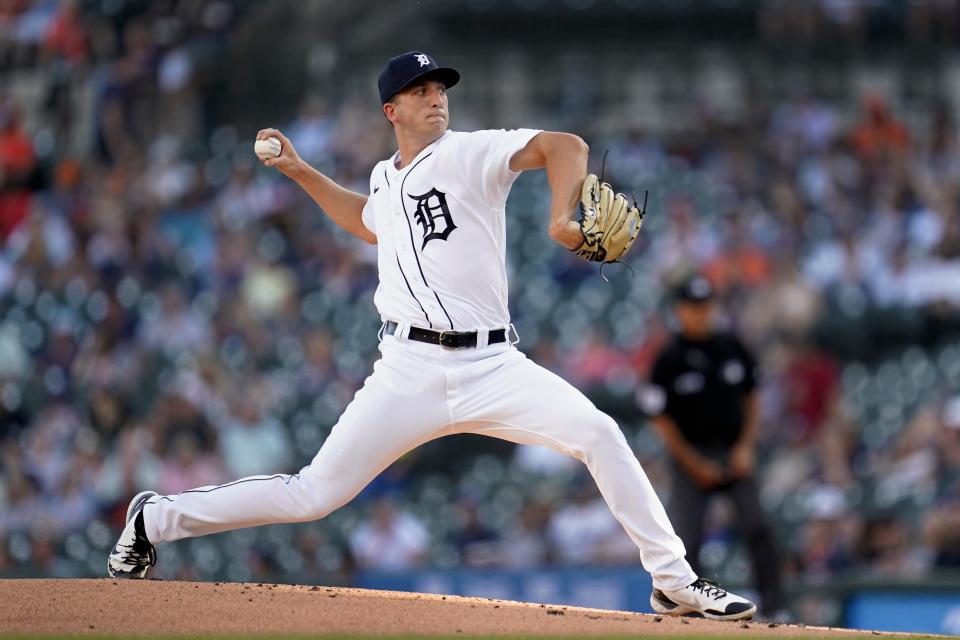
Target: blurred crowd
174,315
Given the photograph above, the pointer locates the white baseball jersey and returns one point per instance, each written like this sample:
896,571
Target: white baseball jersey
441,231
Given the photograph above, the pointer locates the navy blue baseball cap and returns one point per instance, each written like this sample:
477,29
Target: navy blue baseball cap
409,67
696,289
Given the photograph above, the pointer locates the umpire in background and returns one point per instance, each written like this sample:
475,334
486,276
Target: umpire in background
702,400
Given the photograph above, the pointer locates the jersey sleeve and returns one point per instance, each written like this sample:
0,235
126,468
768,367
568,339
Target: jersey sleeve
367,216
484,158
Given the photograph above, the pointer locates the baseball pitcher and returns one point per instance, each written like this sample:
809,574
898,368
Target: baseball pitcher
448,365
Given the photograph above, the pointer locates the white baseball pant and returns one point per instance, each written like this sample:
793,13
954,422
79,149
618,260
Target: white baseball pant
419,392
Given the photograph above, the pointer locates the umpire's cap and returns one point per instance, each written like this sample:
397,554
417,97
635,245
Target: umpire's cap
402,71
696,289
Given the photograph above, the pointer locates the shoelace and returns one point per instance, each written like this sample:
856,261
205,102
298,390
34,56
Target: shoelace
139,558
709,587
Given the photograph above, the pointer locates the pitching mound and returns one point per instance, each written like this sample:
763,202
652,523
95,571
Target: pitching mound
61,607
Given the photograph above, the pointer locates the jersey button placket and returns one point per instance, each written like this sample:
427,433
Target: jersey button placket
400,229
402,245
403,232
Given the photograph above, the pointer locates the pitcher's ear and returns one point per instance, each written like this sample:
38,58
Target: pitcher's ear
389,109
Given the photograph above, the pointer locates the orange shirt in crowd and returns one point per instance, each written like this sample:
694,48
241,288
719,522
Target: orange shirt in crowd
16,161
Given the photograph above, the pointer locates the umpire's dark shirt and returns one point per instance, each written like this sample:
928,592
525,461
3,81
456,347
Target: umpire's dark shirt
701,385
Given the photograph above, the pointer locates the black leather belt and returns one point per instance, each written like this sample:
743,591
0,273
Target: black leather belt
446,339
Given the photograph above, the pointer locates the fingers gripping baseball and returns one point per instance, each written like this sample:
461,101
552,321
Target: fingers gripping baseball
287,159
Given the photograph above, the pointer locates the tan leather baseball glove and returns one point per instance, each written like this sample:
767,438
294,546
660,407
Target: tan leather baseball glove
608,222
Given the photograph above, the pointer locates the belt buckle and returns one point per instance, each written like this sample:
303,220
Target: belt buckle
450,333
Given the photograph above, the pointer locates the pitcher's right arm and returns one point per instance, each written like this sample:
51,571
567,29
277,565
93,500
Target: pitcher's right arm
344,207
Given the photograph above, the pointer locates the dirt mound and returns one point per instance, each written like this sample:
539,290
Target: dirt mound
155,607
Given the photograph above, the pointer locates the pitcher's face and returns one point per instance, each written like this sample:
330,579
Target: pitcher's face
420,109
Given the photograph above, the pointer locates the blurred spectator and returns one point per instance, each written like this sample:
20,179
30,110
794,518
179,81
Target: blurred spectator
65,36
313,130
391,540
17,166
477,544
686,238
592,360
175,327
827,547
188,466
908,467
524,545
323,558
584,531
788,305
884,545
879,133
811,387
948,445
739,264
942,530
253,442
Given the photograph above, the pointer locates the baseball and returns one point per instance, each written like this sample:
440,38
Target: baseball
266,149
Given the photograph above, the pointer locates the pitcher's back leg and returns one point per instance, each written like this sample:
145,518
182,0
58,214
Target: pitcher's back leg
389,416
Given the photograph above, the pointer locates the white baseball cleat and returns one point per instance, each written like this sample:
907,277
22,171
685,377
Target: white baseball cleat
133,554
705,598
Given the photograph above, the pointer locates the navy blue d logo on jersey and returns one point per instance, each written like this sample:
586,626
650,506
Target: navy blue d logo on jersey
433,215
